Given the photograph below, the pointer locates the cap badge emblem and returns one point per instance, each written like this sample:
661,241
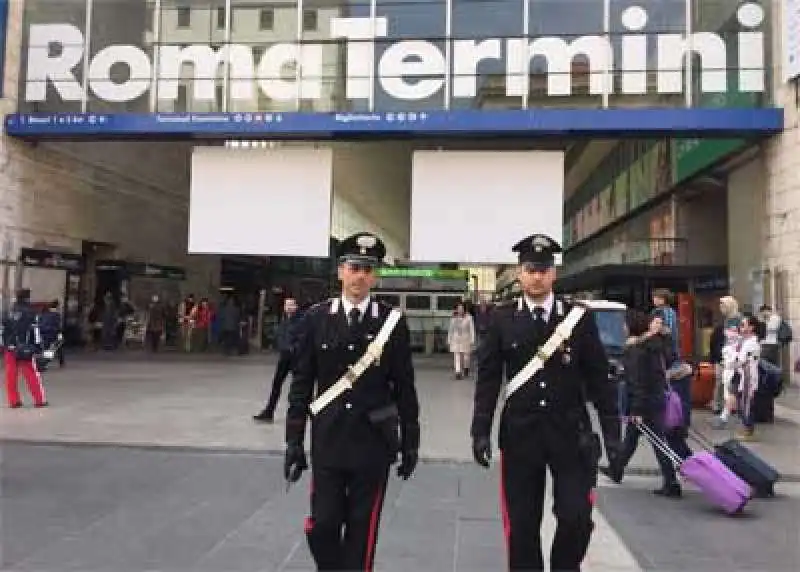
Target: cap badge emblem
540,243
366,242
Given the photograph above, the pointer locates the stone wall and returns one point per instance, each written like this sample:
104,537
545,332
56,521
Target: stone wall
782,215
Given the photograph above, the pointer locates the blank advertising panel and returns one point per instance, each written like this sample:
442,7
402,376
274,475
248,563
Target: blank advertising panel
266,202
474,206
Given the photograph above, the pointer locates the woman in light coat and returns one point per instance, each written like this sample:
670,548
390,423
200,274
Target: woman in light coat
460,339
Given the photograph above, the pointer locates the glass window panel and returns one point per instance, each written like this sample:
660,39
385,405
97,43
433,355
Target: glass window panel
261,26
331,78
649,18
122,23
400,92
722,17
417,302
37,95
201,88
447,303
487,18
421,20
476,20
568,20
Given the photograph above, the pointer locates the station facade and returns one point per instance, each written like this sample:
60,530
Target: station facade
679,171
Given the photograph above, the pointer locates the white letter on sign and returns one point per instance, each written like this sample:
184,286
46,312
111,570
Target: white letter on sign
395,64
360,53
139,73
272,71
57,69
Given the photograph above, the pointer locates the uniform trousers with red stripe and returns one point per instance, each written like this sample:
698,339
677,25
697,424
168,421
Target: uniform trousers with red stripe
32,376
524,470
346,506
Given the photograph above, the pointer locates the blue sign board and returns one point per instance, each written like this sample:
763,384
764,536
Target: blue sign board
458,123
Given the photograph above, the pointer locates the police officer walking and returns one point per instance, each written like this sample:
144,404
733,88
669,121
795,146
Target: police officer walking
544,422
357,353
21,342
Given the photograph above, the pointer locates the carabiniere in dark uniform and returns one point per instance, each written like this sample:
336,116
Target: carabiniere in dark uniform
545,422
359,434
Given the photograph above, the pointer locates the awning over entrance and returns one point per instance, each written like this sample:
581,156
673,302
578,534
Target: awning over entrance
595,123
609,275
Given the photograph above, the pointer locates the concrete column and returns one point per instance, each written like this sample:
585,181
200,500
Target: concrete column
746,198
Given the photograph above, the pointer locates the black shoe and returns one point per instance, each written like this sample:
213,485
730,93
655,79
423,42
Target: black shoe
16,405
264,417
615,474
672,490
42,404
466,372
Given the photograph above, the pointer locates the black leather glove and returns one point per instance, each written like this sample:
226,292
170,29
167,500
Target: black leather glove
482,451
408,462
294,463
612,439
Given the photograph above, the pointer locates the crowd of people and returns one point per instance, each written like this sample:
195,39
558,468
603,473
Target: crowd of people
192,326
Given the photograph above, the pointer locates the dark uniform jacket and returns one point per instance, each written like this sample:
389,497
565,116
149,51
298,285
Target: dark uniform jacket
557,394
20,327
343,434
286,333
49,326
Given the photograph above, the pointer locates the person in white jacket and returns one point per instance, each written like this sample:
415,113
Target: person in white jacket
740,375
461,339
748,354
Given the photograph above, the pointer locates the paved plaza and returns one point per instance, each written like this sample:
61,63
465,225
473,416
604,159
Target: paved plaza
157,465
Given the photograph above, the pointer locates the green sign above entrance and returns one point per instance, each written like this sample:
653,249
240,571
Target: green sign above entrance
690,156
434,273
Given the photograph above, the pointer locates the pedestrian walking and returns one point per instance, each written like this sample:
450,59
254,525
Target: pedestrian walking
21,341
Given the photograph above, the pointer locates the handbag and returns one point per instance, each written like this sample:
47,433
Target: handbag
673,409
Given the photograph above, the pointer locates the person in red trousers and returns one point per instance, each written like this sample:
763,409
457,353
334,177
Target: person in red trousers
21,341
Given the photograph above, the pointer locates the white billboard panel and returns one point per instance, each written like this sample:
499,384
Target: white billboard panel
266,202
473,206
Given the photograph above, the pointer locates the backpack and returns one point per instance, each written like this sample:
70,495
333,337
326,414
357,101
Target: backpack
784,333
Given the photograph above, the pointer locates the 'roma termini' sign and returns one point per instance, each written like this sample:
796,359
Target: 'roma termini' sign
407,70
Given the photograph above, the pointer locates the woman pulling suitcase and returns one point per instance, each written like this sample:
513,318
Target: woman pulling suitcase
646,383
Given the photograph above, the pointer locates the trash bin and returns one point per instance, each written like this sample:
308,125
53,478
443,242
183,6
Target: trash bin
703,385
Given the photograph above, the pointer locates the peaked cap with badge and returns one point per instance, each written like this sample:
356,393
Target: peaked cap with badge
362,248
538,250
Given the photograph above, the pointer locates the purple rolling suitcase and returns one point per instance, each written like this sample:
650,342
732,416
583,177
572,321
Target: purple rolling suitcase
717,482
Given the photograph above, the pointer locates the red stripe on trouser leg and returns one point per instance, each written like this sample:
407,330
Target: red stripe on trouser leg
33,379
373,529
308,523
504,507
12,392
592,497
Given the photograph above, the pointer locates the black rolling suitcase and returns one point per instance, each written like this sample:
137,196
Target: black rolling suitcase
747,465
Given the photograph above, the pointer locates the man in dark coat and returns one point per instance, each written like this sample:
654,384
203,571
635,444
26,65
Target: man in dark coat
50,326
359,433
286,340
544,422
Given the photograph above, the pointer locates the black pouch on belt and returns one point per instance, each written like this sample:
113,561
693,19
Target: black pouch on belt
387,421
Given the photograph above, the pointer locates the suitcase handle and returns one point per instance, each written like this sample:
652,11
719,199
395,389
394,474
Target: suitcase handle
701,440
659,443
